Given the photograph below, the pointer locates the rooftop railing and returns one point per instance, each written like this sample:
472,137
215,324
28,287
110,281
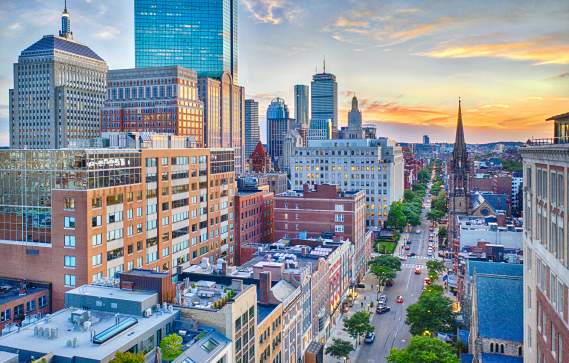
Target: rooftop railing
548,141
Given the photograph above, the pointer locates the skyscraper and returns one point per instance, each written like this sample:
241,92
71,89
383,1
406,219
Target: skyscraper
301,106
354,115
278,124
252,135
324,98
196,34
59,89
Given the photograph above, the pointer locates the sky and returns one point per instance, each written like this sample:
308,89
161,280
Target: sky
406,61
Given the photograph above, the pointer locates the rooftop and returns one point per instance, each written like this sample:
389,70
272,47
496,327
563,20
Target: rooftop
58,333
498,358
202,345
494,268
112,293
500,307
11,290
208,294
51,43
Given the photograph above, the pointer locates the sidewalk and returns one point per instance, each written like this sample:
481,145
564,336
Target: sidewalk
366,296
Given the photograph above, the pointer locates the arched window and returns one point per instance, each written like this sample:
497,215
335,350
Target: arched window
502,348
520,351
491,347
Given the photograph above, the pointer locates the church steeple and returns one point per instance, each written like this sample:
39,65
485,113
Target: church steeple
459,143
65,31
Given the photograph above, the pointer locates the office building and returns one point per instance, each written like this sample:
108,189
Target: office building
374,166
224,115
546,237
324,98
252,133
354,115
278,124
59,89
277,182
195,34
320,130
301,106
74,216
426,140
159,100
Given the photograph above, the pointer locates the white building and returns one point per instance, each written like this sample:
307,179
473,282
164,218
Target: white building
546,245
374,166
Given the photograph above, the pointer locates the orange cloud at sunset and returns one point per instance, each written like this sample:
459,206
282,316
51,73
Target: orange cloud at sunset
542,50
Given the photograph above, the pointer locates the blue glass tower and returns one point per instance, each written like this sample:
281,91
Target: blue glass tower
196,34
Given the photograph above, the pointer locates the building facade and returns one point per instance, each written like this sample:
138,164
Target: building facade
75,216
324,98
224,115
260,161
159,99
59,90
301,106
320,129
195,34
252,133
278,124
546,256
374,166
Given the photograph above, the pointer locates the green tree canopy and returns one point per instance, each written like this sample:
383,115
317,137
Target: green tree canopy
340,349
387,260
432,313
358,325
171,346
424,350
128,357
383,273
396,217
435,268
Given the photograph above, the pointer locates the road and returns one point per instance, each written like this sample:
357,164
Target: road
390,328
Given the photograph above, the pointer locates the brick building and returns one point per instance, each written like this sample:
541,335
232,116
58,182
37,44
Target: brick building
75,216
253,219
260,160
20,299
325,211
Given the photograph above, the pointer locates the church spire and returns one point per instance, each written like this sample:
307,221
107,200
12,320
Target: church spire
459,143
65,31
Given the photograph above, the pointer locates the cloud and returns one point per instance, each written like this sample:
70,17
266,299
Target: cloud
562,76
384,27
271,11
107,33
15,26
540,50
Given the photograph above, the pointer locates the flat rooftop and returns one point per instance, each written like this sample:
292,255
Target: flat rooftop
112,293
202,346
10,290
25,339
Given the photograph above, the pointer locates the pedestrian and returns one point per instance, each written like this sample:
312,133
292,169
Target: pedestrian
362,304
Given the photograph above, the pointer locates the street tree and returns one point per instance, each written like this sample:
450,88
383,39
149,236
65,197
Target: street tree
387,260
128,357
358,325
435,268
424,350
383,273
340,349
396,218
171,347
431,313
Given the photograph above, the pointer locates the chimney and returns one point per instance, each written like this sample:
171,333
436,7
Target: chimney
264,287
501,219
224,267
237,284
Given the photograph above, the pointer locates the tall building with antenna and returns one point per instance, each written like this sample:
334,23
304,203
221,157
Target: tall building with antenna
324,98
59,90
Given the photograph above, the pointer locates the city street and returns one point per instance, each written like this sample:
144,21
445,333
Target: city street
390,328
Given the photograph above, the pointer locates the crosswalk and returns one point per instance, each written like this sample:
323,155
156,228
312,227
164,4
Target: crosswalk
412,265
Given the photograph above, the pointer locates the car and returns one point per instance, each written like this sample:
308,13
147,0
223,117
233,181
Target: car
411,254
418,231
382,299
408,242
382,309
407,247
370,338
417,270
399,299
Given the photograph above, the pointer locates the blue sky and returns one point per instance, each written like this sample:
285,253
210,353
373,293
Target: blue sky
407,61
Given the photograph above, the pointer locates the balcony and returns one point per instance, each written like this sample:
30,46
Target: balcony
564,140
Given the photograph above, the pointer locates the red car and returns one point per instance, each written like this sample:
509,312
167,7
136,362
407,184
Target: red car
399,299
407,247
417,270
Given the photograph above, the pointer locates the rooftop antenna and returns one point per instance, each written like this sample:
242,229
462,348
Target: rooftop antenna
324,64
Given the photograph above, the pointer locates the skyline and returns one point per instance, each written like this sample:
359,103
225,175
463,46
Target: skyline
408,64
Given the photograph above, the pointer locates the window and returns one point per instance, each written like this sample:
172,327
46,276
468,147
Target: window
339,207
42,301
70,280
97,202
6,315
339,218
69,261
31,305
69,240
68,203
96,221
114,234
69,222
339,229
97,239
97,260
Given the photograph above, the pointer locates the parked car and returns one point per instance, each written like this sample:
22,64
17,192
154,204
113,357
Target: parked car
411,254
382,299
408,242
370,337
382,309
407,247
418,231
399,299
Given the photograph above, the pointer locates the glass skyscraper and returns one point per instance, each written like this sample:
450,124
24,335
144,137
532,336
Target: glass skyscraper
278,124
324,99
252,133
301,105
196,34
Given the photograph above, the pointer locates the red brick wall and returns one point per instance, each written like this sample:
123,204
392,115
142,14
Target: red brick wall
544,346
